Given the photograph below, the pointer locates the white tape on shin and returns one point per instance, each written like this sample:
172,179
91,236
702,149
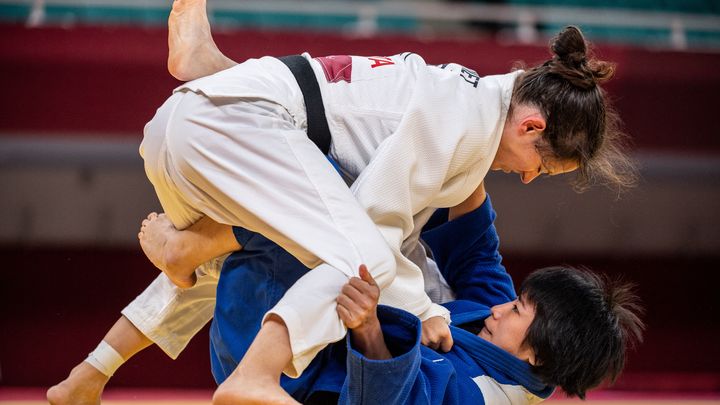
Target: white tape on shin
105,359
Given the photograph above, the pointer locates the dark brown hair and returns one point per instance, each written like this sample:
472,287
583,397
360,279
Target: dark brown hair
581,123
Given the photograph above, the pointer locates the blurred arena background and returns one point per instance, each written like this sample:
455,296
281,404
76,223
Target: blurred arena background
81,77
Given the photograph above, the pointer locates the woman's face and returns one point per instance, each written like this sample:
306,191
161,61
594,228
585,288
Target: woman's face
507,327
518,152
530,165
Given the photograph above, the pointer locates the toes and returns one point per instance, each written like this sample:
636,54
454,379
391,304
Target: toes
152,216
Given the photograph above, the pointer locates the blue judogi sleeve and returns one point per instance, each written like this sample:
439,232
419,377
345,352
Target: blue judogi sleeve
466,251
415,374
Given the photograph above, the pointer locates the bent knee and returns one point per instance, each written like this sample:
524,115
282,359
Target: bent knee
155,133
185,143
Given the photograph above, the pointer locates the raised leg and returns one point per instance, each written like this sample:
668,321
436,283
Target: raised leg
192,50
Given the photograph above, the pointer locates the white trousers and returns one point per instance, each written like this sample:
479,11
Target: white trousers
169,315
245,163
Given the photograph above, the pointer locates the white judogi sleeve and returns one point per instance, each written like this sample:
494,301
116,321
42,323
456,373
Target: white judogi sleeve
437,157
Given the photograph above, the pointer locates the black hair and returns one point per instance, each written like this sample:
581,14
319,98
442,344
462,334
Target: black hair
583,326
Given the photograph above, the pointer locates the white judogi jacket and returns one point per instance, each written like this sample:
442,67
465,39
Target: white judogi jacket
413,138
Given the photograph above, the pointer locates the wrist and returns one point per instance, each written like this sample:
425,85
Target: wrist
368,339
367,330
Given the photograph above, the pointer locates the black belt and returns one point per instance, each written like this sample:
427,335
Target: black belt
317,126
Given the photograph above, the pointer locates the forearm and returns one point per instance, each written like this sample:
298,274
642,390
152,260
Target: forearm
476,199
388,381
466,251
369,341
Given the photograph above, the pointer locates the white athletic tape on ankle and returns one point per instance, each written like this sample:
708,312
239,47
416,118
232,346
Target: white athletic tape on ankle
105,359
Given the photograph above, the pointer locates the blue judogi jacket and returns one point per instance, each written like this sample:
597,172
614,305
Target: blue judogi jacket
474,371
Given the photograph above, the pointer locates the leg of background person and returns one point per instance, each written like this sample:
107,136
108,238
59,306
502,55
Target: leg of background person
85,384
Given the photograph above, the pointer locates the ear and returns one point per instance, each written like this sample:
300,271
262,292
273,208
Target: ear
531,359
533,124
528,354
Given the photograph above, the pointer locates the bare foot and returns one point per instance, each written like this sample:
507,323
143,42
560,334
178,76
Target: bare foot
156,236
193,53
246,390
84,386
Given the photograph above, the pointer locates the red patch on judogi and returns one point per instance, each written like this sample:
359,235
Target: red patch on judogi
337,68
381,61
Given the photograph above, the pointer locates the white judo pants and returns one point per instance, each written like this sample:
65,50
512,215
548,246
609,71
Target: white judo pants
245,163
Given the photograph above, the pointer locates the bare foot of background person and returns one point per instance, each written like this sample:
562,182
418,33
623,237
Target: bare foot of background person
193,53
84,386
156,239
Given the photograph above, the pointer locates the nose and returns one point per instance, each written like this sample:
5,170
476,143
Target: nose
527,177
496,311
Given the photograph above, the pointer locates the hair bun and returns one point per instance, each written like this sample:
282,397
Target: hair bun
574,62
569,46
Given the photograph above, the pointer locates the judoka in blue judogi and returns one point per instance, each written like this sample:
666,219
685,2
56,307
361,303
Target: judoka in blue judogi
473,371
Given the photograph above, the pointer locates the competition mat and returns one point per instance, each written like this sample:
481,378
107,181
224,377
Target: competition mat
36,396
